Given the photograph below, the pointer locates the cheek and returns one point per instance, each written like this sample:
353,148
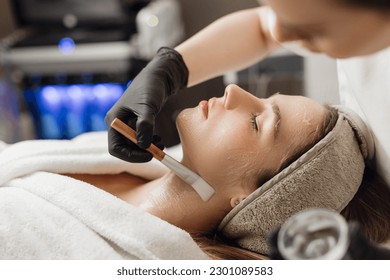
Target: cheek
214,149
214,135
186,125
227,136
219,146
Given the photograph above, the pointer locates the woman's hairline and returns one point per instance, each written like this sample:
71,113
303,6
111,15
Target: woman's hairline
327,125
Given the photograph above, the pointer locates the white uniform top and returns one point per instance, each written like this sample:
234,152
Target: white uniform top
364,85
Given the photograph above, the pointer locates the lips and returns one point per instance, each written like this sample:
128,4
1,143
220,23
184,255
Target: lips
204,106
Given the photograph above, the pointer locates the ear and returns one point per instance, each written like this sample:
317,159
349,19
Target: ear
237,199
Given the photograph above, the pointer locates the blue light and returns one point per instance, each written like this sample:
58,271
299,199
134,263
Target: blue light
66,45
64,111
51,96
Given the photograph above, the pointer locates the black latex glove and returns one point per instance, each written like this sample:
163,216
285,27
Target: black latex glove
164,75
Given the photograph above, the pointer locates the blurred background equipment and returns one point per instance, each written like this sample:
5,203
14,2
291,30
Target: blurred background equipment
73,59
323,234
59,57
314,234
9,113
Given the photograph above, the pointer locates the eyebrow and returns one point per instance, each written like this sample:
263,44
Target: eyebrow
278,117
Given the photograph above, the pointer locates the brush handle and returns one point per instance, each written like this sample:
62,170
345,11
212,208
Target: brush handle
130,134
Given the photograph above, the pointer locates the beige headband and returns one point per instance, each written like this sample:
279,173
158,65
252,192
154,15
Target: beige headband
326,176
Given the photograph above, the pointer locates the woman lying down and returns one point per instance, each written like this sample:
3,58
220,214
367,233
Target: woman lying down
265,158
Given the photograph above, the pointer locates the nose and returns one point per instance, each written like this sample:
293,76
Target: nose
235,97
232,96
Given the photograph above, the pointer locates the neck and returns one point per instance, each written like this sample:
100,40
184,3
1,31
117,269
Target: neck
174,201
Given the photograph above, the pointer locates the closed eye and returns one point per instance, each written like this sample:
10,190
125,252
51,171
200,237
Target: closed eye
254,122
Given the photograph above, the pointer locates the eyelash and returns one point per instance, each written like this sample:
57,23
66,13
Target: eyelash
253,121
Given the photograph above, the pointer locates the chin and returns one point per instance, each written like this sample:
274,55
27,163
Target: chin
337,55
316,50
347,52
342,55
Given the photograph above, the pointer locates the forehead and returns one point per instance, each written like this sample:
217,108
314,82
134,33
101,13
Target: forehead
297,108
301,117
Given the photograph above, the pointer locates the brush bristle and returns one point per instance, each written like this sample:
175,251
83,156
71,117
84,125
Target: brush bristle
204,190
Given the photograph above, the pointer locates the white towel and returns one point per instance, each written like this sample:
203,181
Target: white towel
84,154
44,215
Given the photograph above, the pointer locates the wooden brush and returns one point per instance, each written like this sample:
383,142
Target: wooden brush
204,190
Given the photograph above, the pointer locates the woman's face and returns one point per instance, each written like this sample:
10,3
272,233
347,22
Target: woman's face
331,27
229,140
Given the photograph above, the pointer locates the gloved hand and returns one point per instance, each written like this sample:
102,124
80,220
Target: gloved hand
164,75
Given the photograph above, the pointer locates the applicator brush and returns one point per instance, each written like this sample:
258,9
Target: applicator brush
204,190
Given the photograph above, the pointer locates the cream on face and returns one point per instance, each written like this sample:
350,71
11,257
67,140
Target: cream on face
228,139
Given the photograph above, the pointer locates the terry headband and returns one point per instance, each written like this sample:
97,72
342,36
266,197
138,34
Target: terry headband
326,176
